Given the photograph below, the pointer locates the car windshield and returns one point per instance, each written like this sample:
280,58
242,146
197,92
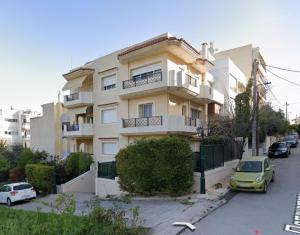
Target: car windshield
249,166
288,138
278,145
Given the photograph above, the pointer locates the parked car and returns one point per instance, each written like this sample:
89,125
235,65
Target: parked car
295,134
11,193
279,149
291,140
252,174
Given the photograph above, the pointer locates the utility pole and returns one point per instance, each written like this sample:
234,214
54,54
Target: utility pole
254,123
286,111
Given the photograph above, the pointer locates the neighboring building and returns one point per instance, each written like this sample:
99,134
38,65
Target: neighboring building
15,126
46,130
296,120
158,87
230,81
243,57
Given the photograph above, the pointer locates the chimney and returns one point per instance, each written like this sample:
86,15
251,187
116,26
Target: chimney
211,48
204,51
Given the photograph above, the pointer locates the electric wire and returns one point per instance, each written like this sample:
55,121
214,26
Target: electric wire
280,68
284,79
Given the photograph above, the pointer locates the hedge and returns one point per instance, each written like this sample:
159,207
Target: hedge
42,177
156,165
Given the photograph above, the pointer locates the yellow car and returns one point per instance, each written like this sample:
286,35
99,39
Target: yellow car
252,174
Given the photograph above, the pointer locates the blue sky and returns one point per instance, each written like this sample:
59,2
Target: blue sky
40,40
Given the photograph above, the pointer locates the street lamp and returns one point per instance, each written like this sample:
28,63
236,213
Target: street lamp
200,133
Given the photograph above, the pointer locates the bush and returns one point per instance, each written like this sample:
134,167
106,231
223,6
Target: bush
156,165
16,174
41,177
4,169
78,163
214,140
29,157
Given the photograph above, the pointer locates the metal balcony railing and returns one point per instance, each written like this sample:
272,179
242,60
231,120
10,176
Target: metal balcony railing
74,127
143,79
191,81
190,121
146,121
74,96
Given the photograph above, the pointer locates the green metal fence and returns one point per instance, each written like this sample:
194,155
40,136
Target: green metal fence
107,170
216,155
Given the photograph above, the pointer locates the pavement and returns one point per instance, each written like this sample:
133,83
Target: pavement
157,213
255,213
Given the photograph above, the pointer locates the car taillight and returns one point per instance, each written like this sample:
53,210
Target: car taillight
32,189
13,193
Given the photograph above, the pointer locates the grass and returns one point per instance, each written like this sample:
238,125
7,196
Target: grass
21,222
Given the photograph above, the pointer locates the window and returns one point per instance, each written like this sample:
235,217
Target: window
109,116
145,110
109,148
109,82
184,110
11,119
195,114
233,83
107,170
153,68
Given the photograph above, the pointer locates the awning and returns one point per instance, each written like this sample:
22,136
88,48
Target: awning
74,84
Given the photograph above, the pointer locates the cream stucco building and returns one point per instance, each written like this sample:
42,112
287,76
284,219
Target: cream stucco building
158,87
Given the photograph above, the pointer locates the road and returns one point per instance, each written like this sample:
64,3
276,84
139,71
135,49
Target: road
256,213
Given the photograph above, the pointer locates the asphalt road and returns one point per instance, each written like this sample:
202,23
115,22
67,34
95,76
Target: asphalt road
256,213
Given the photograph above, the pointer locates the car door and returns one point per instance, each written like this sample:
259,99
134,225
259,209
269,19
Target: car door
267,172
2,194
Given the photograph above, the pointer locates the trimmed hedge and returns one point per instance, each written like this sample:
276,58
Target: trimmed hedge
42,177
156,165
16,174
78,163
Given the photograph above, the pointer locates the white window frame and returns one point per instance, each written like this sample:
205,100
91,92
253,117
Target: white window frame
102,82
105,109
143,68
146,102
109,142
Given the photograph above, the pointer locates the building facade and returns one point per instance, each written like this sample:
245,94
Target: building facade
15,126
46,130
158,87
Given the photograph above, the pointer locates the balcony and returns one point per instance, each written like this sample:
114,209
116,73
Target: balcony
78,130
78,99
167,124
210,95
143,83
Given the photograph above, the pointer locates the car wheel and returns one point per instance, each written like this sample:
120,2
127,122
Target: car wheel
265,188
9,202
273,177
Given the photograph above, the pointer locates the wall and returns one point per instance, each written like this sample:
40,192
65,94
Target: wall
106,187
214,176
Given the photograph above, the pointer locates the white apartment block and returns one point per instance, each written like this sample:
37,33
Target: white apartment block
15,126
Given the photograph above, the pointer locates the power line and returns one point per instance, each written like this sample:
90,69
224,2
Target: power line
289,70
294,83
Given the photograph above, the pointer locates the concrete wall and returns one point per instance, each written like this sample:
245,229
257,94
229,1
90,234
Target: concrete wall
106,187
84,183
214,176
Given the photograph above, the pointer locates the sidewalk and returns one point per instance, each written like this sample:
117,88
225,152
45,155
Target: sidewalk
158,213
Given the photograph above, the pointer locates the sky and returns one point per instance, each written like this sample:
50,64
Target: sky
41,40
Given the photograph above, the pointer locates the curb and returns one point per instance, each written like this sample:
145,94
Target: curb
223,200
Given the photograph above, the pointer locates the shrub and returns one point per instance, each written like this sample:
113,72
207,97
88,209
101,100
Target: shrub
16,174
78,163
4,169
29,157
161,165
41,177
214,140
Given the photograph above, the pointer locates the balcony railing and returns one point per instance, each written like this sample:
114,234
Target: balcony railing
190,121
143,79
146,121
191,81
74,127
74,96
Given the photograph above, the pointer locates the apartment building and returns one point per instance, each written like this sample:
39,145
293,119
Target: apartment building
46,130
243,57
230,81
158,87
15,126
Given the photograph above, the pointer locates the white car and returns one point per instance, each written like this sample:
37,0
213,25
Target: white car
11,193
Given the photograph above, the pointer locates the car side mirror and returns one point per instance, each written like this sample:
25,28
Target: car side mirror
268,169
